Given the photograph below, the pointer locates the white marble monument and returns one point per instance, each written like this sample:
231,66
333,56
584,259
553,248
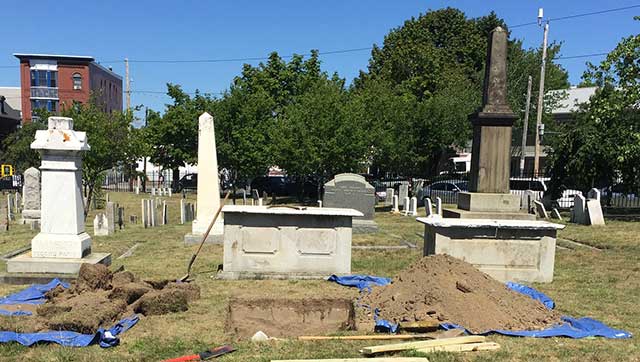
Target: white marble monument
62,244
208,185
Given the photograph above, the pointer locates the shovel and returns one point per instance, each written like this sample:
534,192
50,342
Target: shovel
204,237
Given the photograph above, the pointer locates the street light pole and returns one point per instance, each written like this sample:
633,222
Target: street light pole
525,127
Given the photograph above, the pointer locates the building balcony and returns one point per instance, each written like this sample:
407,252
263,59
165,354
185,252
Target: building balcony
44,92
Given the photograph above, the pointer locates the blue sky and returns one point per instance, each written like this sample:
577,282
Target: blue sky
185,30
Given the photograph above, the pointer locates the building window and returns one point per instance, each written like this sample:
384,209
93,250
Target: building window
44,78
77,81
50,105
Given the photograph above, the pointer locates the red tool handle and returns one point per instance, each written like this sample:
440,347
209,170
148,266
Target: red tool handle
193,357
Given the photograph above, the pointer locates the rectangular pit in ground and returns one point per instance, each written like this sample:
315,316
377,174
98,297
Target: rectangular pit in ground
279,317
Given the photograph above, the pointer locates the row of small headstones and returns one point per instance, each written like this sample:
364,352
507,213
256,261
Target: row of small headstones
9,210
156,191
410,207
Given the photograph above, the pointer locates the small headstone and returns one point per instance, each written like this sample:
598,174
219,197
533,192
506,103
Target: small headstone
133,219
152,213
111,217
319,203
153,191
144,213
10,207
394,206
406,206
183,212
579,214
555,214
137,189
594,194
120,218
413,207
254,195
260,201
541,212
18,200
439,206
428,208
100,225
594,212
169,191
403,194
388,201
244,197
31,195
529,196
165,216
265,196
4,217
34,224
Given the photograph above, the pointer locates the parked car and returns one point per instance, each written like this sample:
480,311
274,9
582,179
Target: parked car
187,182
271,185
446,190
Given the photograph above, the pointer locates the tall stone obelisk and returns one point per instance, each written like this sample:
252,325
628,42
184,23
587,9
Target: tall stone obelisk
489,195
208,185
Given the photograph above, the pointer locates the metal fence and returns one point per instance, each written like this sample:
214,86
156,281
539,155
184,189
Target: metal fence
120,181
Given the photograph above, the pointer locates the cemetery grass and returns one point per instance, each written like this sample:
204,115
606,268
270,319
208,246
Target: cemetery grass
601,284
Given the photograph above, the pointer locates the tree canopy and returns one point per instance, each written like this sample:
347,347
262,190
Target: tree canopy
602,147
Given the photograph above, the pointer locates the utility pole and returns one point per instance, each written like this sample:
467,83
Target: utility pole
128,83
525,127
540,109
144,164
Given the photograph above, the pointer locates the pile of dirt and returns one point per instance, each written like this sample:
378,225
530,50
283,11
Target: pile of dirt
446,289
98,298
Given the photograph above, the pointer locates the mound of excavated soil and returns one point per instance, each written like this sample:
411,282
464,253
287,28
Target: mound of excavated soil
98,298
443,288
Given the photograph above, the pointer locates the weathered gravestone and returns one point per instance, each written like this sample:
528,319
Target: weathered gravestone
428,208
541,211
594,212
594,194
403,194
351,191
388,201
4,217
101,225
413,206
394,207
111,217
579,212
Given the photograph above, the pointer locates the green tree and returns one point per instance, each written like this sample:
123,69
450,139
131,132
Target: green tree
110,138
603,144
172,139
429,74
17,147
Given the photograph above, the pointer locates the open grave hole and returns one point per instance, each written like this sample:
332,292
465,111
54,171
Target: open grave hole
279,317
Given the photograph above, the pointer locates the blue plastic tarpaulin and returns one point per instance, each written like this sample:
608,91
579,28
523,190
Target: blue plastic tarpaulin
362,282
572,327
35,294
105,338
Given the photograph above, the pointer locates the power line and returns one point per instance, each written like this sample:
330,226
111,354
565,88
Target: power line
578,15
580,56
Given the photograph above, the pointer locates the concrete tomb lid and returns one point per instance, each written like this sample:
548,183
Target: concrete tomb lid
318,211
489,223
60,136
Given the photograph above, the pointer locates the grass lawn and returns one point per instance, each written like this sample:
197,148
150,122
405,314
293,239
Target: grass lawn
601,284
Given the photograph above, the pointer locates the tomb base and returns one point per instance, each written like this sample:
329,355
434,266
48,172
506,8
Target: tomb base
62,246
507,250
25,269
199,228
493,215
364,226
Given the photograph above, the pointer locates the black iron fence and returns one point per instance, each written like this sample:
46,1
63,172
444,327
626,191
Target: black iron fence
119,181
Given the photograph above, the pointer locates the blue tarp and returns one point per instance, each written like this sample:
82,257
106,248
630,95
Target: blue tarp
362,282
35,295
572,327
108,338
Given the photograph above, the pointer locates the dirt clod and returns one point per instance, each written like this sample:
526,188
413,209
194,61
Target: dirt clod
443,288
98,298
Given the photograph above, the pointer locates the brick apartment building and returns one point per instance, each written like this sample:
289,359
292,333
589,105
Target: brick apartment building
55,82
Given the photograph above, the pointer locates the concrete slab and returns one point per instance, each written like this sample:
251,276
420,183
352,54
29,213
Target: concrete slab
489,202
192,239
508,250
464,214
25,263
361,226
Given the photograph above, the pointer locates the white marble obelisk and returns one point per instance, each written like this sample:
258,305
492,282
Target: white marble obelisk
208,185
